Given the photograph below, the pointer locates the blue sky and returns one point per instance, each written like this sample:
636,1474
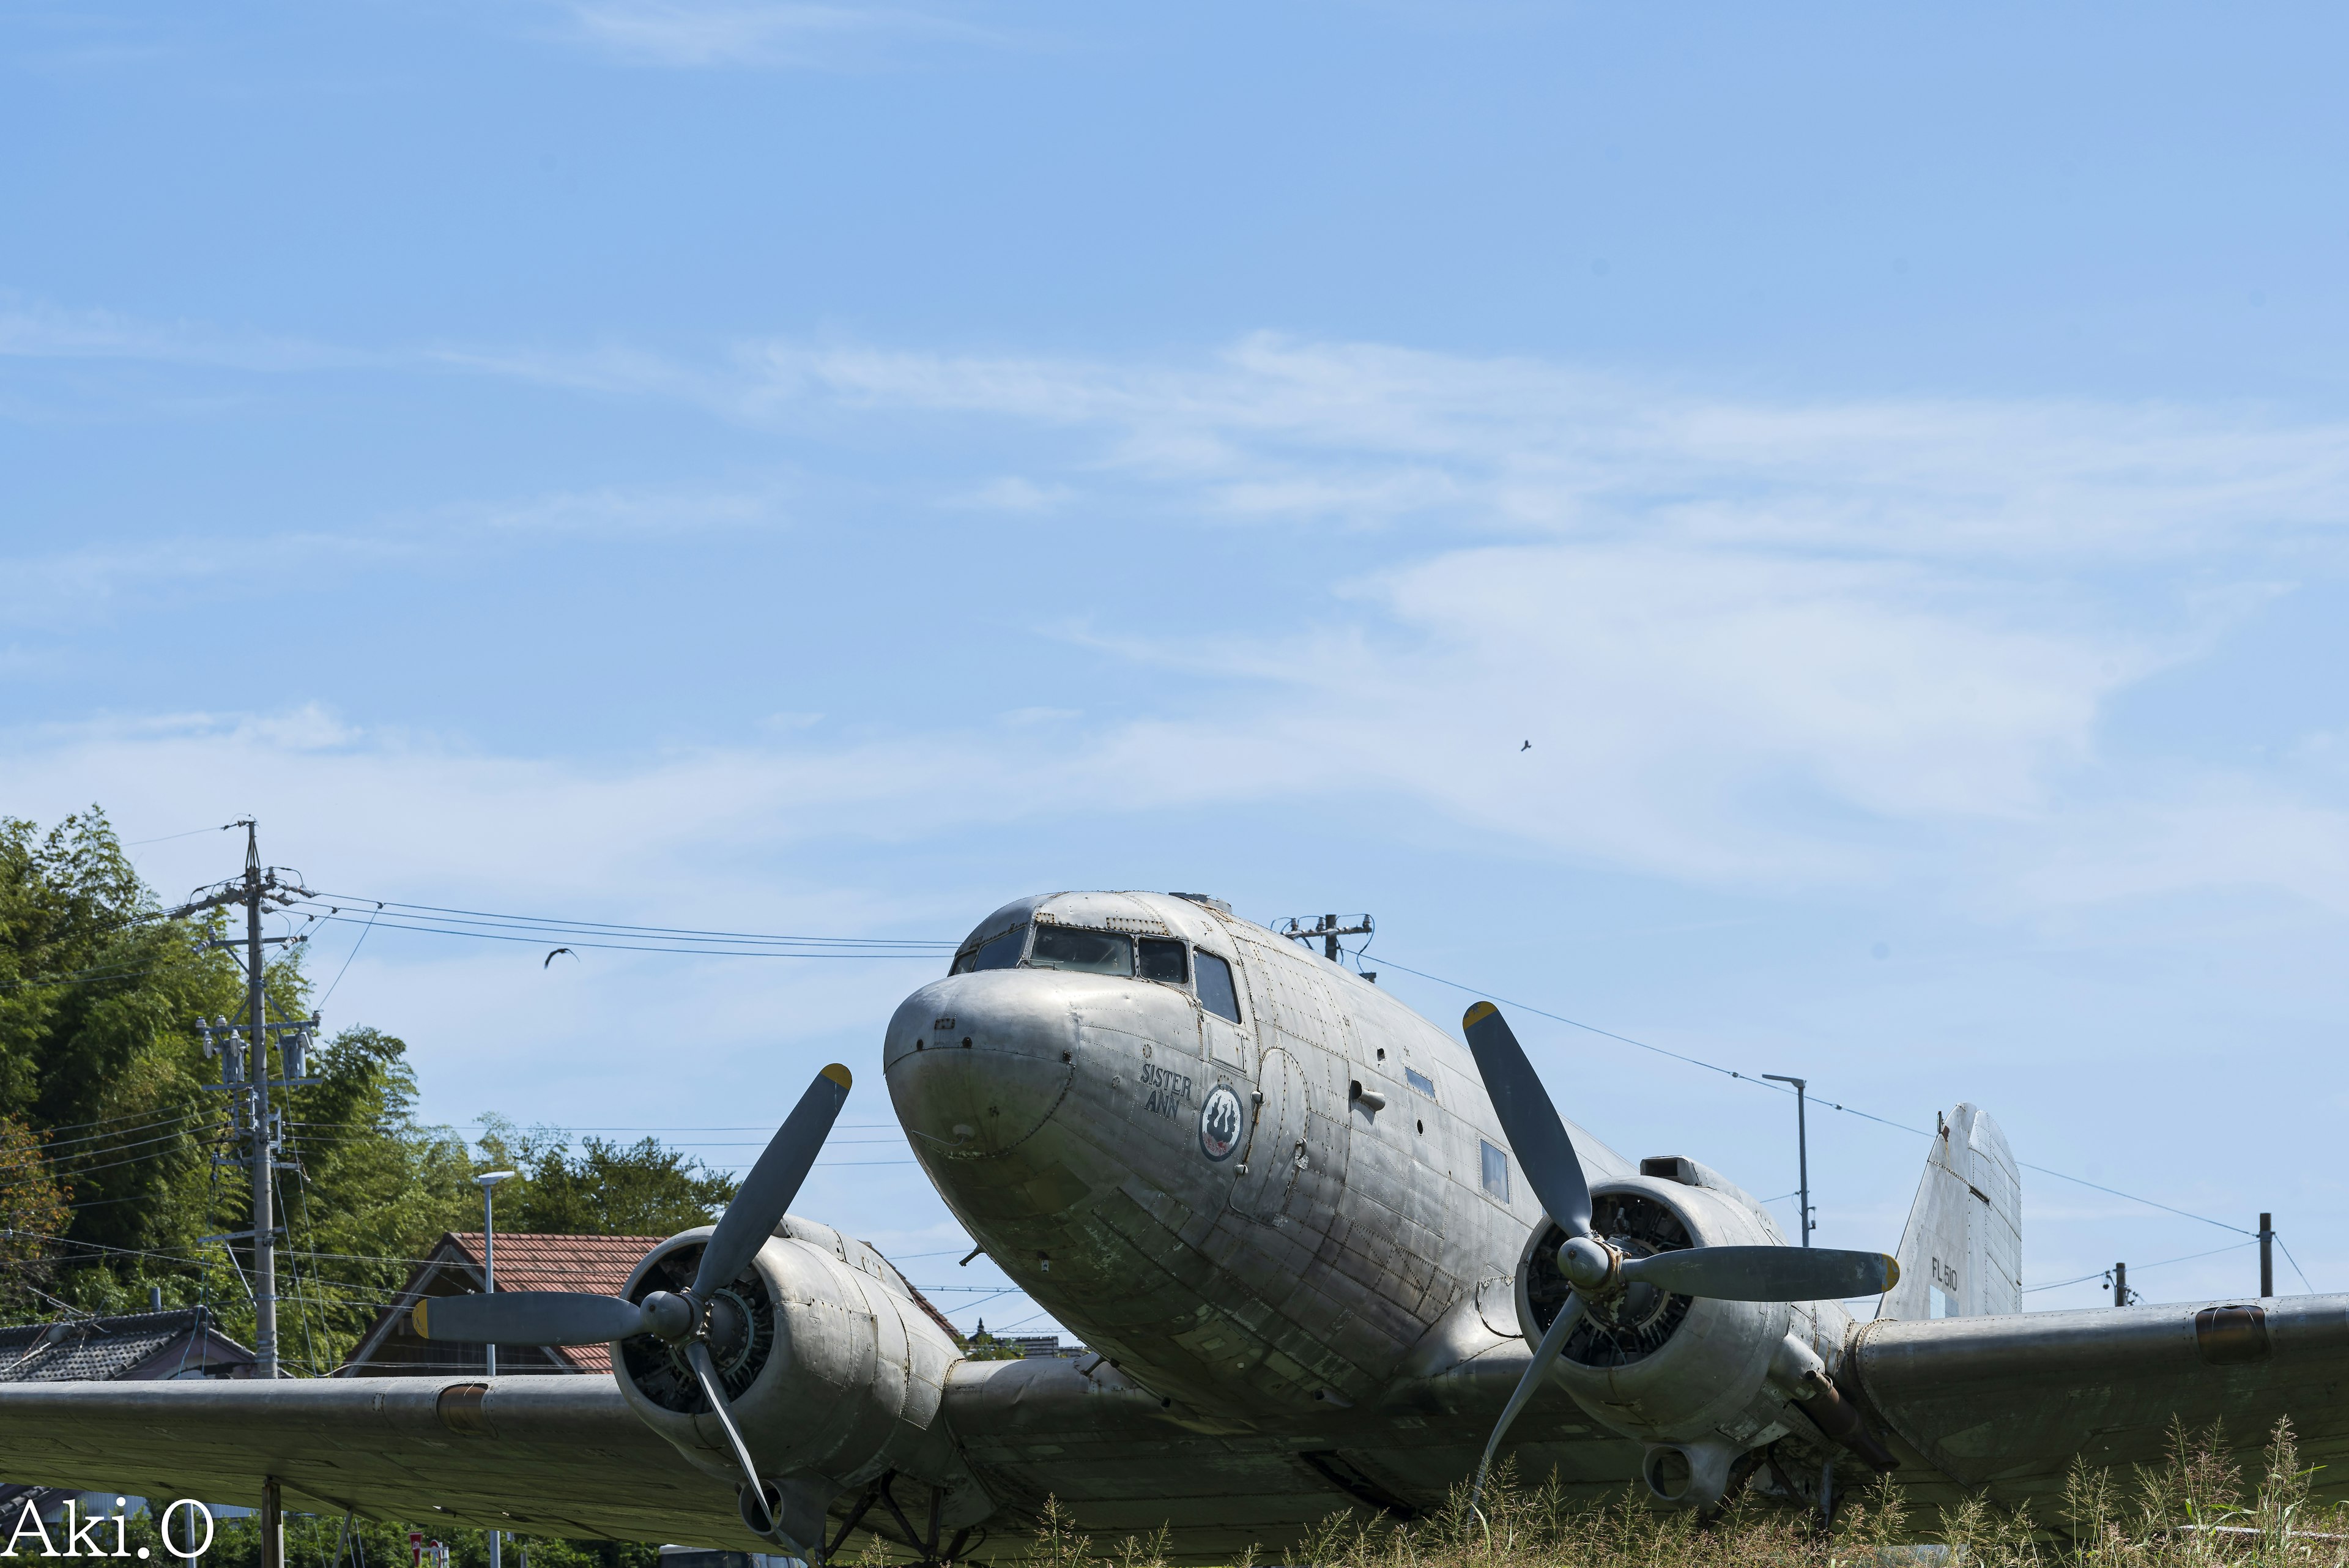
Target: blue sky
808,468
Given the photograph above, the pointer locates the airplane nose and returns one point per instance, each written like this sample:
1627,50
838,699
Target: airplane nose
977,1062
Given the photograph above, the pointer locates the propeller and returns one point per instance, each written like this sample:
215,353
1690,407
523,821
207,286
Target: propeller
1596,1267
680,1318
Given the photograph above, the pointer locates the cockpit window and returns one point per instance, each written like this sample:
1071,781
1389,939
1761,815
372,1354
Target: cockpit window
998,953
1164,959
1093,952
1216,990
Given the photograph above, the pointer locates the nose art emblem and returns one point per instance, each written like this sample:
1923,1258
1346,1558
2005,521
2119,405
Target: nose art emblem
1219,1123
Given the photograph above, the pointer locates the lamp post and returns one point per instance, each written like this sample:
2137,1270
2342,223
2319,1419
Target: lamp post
489,1181
1801,1150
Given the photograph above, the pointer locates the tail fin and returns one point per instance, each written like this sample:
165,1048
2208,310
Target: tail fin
1961,1256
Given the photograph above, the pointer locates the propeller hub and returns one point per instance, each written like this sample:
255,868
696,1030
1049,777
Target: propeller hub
670,1316
1590,1265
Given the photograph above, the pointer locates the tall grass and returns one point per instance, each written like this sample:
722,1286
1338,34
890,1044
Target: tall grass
2194,1510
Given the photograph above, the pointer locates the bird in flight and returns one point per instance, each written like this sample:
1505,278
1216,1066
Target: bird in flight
551,957
1527,747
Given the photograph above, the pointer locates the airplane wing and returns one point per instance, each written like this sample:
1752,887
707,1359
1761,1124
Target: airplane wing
565,1455
555,1456
2007,1402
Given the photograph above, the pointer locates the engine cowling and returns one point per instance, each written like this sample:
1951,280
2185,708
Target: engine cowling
1701,1382
833,1373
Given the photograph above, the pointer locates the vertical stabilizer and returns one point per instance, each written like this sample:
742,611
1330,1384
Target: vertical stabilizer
1961,1256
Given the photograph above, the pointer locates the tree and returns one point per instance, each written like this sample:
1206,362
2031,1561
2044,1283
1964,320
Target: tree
32,1212
609,1189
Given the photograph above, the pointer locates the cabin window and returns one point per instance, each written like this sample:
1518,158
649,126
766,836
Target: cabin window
1090,952
996,953
1496,1170
1163,960
1216,992
1420,1081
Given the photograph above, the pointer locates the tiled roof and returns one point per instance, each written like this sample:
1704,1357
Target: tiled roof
527,1262
600,1264
92,1349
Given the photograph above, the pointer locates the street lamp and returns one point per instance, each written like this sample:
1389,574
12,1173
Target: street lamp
1802,1152
489,1181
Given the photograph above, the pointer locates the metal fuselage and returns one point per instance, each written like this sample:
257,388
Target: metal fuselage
1367,1196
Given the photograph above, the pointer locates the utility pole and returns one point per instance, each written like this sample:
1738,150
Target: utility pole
2267,1255
1329,929
488,1182
2120,1285
245,1073
1802,1151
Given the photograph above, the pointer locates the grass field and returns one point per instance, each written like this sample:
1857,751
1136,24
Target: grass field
2198,1510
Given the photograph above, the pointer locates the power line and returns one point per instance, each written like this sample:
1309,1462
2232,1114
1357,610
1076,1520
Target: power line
2099,1273
1848,1110
668,945
557,923
167,837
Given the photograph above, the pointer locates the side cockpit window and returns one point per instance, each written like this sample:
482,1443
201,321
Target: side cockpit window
1164,959
1216,992
1088,952
996,953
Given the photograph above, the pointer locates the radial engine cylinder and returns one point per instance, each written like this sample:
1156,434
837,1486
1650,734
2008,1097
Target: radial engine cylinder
831,1373
1685,1374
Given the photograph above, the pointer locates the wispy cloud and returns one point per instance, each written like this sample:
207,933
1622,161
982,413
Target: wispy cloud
47,587
701,34
33,329
1751,639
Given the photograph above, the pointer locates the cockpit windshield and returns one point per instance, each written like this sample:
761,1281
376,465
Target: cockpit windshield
1091,953
996,953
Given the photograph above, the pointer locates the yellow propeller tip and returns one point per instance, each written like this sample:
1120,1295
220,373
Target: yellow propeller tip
1891,1272
1477,1014
423,1332
838,1074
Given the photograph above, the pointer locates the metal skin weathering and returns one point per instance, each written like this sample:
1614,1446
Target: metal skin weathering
1324,1255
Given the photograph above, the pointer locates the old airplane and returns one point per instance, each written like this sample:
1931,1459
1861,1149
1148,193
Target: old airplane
1326,1256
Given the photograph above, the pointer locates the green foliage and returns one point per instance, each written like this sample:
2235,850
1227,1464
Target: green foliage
984,1346
111,1184
607,1189
32,1208
98,1052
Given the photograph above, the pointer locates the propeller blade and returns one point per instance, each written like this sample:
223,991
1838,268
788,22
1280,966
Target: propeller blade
1537,1369
1764,1273
1535,1131
767,1192
530,1317
696,1354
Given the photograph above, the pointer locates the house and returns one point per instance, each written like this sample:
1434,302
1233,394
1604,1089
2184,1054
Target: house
184,1341
599,1264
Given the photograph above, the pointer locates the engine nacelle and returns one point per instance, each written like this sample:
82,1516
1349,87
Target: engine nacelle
1701,1381
833,1373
